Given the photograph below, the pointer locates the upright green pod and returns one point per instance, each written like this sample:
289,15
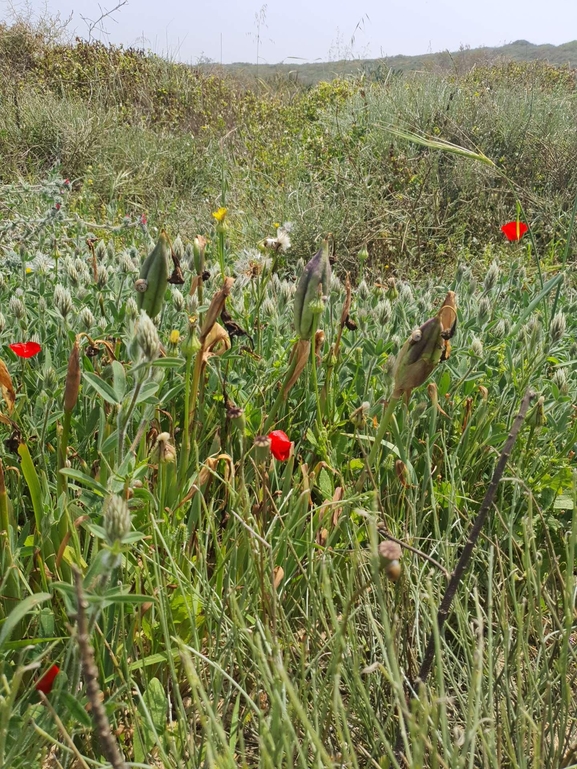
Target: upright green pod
153,279
316,273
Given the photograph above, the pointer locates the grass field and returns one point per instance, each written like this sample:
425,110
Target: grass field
214,592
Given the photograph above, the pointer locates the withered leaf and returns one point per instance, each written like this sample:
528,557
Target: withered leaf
7,387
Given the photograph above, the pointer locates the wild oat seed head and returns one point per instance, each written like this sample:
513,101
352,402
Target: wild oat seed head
560,379
100,250
533,332
477,347
191,303
405,293
16,307
147,337
72,272
102,275
117,520
63,300
384,311
491,277
50,380
484,310
86,318
125,263
178,247
500,329
269,308
131,308
558,327
363,290
177,300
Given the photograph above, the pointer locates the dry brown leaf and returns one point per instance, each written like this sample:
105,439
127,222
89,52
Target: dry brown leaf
278,576
216,306
299,355
7,387
337,496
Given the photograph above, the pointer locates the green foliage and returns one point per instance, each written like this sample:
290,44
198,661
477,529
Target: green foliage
237,610
138,133
235,602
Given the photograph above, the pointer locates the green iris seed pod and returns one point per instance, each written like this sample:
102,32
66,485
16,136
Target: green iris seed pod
154,271
420,354
316,273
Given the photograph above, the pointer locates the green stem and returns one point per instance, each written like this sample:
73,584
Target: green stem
374,454
565,255
314,374
61,482
185,448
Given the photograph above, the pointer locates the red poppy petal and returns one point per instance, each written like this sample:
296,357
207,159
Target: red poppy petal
25,349
45,683
280,445
514,230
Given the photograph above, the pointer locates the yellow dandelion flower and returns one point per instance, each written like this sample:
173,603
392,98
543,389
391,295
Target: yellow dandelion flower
220,214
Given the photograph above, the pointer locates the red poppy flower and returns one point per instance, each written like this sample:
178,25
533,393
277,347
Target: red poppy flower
45,683
514,230
25,349
280,445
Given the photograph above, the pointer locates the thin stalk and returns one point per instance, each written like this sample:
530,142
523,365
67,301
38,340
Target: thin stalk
374,454
61,482
314,375
467,552
565,254
185,448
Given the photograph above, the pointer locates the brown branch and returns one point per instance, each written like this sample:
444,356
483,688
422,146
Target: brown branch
108,743
467,552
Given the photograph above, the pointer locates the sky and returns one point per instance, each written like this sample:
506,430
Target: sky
295,31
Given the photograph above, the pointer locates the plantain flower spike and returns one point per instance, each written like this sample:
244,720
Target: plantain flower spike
316,274
425,348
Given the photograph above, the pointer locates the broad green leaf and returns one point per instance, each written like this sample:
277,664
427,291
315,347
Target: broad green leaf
118,380
18,613
102,388
33,483
76,710
86,480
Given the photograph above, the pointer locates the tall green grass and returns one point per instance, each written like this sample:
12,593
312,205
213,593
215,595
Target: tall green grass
244,620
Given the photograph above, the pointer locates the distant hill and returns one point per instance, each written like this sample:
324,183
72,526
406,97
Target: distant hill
462,60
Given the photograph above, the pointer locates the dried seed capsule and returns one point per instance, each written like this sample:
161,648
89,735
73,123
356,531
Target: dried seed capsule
72,379
390,553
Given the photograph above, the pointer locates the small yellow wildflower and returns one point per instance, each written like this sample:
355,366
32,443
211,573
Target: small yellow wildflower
174,337
220,214
29,270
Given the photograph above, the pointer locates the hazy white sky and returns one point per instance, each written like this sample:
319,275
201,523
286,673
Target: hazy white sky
293,30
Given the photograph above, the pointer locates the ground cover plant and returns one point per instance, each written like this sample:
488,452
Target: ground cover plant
209,456
269,357
137,134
